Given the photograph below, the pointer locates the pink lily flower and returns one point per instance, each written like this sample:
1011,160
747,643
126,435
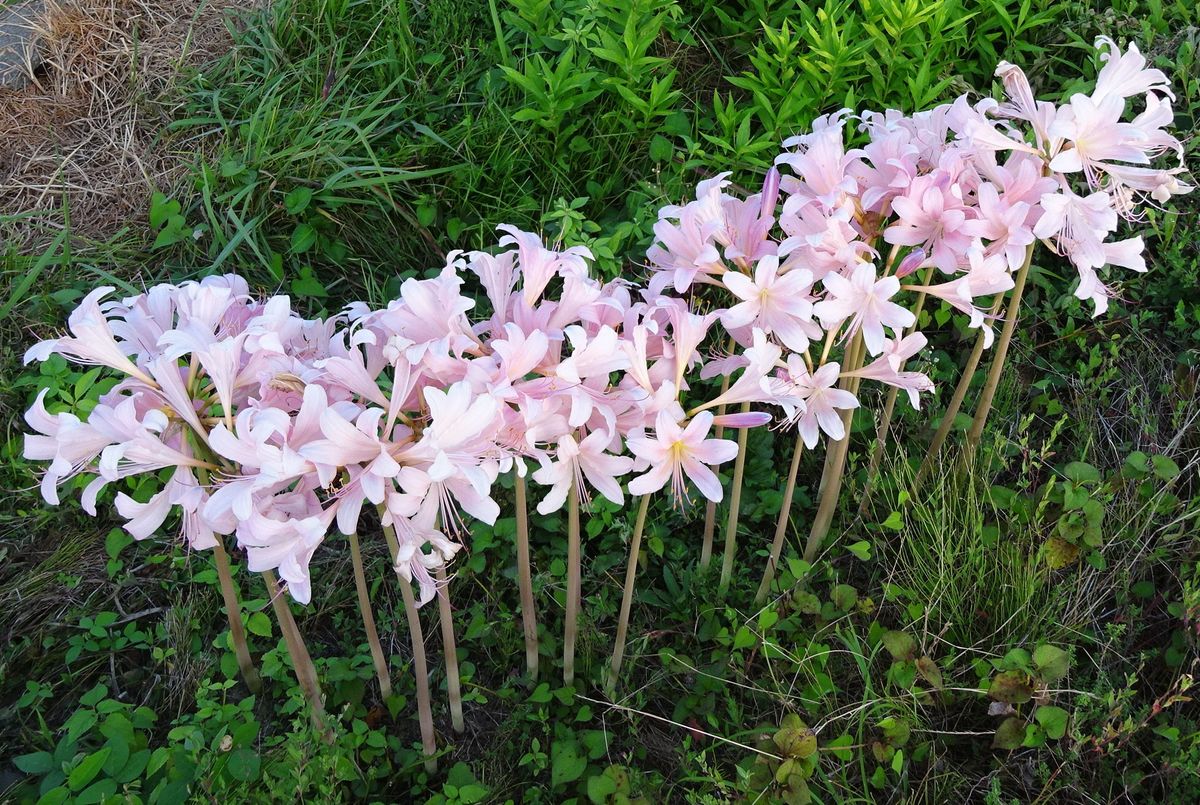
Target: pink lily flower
677,452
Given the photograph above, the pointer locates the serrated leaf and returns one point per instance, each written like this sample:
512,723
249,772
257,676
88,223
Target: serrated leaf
259,624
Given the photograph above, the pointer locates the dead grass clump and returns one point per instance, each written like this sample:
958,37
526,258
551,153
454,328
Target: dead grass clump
87,127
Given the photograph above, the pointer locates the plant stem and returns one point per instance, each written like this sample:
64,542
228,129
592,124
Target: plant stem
889,406
233,611
635,547
368,618
710,508
421,669
420,666
735,504
571,626
450,649
306,672
831,482
1001,352
525,580
785,510
960,391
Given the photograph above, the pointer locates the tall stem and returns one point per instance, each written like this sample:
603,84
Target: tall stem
368,618
233,612
571,626
450,649
420,666
421,669
1001,352
635,547
785,510
960,391
710,508
525,580
889,406
306,672
831,485
735,505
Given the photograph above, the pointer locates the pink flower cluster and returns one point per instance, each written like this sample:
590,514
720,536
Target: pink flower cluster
278,429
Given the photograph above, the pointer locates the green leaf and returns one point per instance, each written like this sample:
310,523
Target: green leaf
1051,662
600,787
861,549
297,201
1079,472
744,638
87,769
1010,734
894,521
1053,720
839,747
303,238
541,694
566,764
308,285
34,762
661,149
243,764
900,645
1164,468
844,597
259,624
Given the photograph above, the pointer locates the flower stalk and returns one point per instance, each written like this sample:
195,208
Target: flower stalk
997,368
735,503
306,672
956,399
710,508
525,580
233,611
635,547
571,625
420,665
450,649
831,485
785,510
368,618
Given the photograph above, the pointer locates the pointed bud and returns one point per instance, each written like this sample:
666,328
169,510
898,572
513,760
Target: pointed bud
911,262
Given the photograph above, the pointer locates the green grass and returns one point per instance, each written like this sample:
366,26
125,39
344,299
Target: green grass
342,146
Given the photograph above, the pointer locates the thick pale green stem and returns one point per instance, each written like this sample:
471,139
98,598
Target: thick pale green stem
960,391
635,547
831,485
998,356
525,580
368,618
420,666
785,510
450,649
421,670
233,611
571,626
710,508
735,505
306,672
889,407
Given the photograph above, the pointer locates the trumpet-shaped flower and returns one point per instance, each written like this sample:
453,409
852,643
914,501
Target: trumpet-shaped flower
675,453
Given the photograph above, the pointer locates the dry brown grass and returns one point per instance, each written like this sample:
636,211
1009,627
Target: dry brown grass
89,125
